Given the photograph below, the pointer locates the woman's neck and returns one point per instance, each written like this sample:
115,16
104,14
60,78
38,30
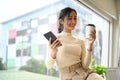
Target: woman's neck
66,31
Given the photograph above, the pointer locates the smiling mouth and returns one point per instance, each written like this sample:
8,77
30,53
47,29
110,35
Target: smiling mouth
72,25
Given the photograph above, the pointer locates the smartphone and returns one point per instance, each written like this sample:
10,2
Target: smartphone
49,35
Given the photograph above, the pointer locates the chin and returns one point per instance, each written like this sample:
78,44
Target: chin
72,28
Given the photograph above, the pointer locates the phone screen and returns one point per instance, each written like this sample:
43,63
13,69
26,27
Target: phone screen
49,35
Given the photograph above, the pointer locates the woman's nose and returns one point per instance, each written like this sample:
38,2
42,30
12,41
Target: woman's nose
74,21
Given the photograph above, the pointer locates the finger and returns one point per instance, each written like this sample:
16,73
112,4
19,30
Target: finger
92,36
93,31
55,43
50,41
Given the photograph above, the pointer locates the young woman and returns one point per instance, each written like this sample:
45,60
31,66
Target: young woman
72,58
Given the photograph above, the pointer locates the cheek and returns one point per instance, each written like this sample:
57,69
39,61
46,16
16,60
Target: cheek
68,23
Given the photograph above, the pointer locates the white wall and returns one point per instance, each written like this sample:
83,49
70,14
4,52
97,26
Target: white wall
118,5
108,6
115,35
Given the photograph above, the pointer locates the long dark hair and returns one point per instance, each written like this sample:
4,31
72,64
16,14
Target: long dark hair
64,12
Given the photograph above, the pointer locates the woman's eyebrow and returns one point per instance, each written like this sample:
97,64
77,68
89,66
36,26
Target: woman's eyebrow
71,16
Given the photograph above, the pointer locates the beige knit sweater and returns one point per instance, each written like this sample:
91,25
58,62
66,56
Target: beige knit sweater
71,52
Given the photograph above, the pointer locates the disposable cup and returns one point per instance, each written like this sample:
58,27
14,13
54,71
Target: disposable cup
88,29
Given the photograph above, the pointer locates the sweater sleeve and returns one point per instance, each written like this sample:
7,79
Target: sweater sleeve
49,62
86,57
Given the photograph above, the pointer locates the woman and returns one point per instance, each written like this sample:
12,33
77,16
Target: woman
72,58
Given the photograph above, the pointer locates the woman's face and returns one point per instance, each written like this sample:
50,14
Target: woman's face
69,22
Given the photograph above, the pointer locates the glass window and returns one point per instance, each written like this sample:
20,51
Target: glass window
87,16
26,46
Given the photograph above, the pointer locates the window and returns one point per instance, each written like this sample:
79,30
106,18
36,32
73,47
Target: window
43,20
85,16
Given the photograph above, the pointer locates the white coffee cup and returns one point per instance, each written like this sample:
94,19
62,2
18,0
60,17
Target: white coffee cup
88,29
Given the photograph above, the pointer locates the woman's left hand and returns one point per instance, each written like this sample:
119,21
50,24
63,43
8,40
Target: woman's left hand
91,39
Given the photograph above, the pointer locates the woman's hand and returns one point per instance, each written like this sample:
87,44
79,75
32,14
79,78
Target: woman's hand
53,47
91,39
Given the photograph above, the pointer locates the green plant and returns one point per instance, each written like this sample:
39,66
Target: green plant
53,72
38,66
35,66
2,66
99,69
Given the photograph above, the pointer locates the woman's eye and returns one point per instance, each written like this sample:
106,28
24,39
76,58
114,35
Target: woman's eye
69,18
75,18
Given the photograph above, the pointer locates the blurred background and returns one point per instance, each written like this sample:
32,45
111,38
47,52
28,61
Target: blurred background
23,23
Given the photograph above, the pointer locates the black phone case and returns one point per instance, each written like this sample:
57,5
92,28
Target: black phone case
49,35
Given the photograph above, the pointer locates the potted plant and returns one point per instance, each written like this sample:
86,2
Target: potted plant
99,69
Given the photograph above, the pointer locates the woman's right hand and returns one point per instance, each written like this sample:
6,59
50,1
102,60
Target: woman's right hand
53,48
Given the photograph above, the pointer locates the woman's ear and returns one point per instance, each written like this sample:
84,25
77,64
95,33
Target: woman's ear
61,21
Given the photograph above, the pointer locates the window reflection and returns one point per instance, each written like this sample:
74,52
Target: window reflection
27,50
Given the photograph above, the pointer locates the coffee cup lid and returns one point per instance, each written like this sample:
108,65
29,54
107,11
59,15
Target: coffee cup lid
90,25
